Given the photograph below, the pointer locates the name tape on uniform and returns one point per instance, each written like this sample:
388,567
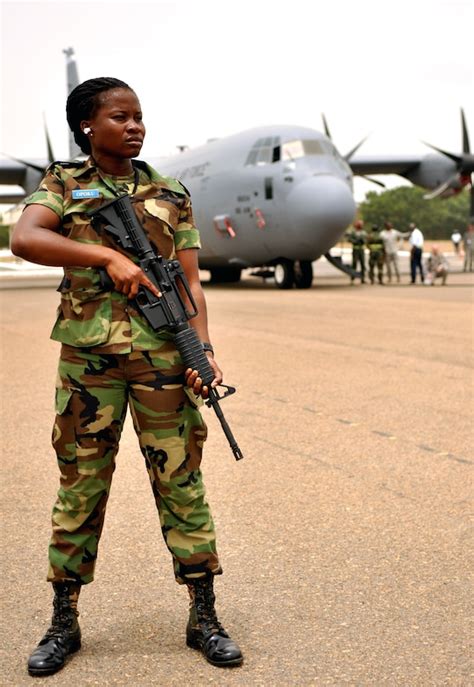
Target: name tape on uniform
85,193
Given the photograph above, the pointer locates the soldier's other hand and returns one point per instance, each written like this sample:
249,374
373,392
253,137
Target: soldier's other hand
194,381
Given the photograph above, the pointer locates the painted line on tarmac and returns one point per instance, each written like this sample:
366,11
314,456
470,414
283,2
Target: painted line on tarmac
387,435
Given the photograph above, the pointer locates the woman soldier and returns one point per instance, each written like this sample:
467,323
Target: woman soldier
111,358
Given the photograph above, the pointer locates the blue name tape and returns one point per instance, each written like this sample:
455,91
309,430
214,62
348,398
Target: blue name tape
86,193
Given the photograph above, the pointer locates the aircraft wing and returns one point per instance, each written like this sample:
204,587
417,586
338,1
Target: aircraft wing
12,172
373,164
26,174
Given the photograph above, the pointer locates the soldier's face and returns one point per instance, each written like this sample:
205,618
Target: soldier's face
117,125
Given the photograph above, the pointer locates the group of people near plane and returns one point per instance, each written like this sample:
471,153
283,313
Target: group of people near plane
383,245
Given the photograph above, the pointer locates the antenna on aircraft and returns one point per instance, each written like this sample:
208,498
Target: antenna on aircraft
182,148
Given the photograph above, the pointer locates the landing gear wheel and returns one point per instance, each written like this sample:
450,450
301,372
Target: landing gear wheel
303,274
284,274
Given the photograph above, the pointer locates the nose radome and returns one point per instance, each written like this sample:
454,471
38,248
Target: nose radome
323,204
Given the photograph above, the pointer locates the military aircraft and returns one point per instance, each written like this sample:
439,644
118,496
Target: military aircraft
274,198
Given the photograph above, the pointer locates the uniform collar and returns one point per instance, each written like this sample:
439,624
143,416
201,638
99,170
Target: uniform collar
88,167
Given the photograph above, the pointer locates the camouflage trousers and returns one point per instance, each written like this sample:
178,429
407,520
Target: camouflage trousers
358,258
93,392
376,260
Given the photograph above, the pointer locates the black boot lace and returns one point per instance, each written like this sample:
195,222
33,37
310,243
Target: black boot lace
205,609
64,616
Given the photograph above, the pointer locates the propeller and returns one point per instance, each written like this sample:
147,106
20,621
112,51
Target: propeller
32,165
51,157
439,190
352,152
464,165
326,128
374,181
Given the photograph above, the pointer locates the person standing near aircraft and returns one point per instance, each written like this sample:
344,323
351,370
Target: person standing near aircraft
416,241
376,254
111,358
391,238
357,238
468,247
456,238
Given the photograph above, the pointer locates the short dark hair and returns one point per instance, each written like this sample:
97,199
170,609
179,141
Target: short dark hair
82,103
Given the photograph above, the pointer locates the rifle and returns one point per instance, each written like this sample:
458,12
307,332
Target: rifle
169,311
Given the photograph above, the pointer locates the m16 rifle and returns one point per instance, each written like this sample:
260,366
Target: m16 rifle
169,311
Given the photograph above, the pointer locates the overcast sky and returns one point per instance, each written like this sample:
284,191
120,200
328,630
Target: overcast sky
203,68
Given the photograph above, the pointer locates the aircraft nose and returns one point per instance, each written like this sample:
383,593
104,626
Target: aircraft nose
321,205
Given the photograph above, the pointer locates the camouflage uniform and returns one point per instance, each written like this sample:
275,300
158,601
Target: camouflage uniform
376,254
111,358
358,239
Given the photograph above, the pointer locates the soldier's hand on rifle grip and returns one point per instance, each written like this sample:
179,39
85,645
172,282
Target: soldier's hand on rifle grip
127,276
194,381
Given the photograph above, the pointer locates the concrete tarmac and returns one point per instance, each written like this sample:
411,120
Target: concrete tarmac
344,533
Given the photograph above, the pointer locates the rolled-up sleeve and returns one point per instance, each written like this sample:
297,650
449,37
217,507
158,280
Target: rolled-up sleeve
186,234
49,193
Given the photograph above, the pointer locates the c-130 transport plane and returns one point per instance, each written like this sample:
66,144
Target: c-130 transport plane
275,198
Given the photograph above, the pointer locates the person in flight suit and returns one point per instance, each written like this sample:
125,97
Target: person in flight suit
357,238
376,254
111,358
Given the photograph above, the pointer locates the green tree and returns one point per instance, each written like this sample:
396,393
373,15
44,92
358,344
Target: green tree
437,218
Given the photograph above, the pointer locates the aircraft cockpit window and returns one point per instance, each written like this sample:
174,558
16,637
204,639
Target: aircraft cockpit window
293,150
265,151
252,157
264,156
330,148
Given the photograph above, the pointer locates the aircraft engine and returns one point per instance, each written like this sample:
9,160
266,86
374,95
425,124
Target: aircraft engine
434,171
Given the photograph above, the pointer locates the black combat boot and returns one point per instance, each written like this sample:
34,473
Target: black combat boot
204,632
64,635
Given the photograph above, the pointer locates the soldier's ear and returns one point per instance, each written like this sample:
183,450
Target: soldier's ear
85,128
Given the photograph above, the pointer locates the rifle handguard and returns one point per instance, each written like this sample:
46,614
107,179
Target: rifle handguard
192,353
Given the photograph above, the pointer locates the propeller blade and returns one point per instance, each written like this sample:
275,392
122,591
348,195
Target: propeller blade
374,181
465,135
452,156
439,190
326,128
348,156
51,157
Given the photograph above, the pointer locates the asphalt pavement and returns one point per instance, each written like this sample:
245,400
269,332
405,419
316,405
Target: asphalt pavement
344,533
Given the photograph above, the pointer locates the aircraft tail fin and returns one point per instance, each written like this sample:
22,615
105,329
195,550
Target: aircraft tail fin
72,82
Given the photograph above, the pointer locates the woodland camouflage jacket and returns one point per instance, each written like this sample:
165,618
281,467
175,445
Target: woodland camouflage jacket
88,316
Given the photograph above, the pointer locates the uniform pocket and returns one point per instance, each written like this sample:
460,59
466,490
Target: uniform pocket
160,220
84,318
63,397
164,210
63,436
